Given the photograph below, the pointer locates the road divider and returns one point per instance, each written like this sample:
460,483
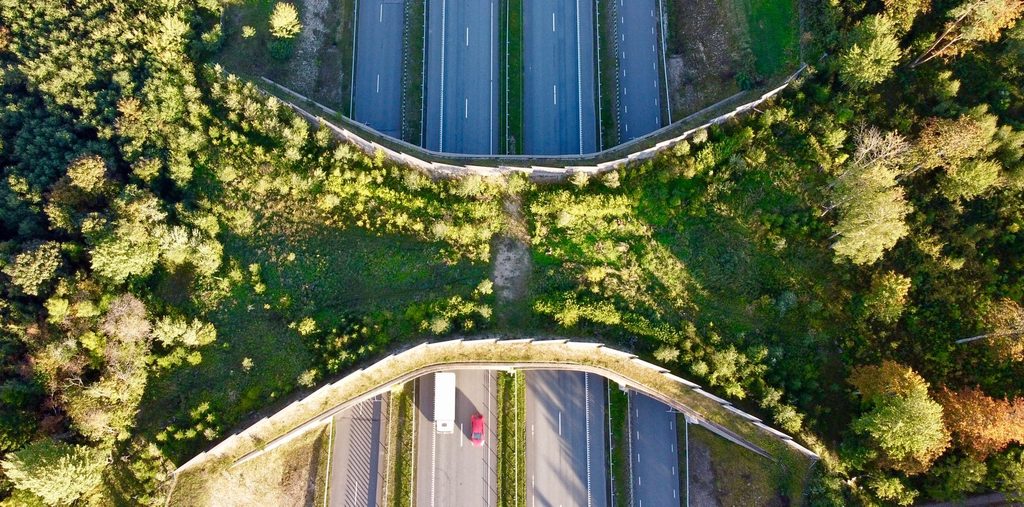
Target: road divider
398,486
511,426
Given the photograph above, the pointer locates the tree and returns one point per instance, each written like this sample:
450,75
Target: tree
35,267
887,297
904,12
128,246
88,174
872,212
172,331
284,21
1004,322
892,489
970,24
105,409
56,472
970,180
871,205
903,423
981,424
872,53
1008,475
950,142
955,477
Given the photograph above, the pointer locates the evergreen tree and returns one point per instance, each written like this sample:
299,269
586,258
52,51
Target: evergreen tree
284,21
57,473
872,54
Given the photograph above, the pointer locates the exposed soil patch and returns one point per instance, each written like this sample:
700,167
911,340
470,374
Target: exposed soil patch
512,264
705,41
511,269
702,476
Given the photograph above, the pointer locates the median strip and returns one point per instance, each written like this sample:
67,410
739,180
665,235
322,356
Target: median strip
618,405
401,447
511,426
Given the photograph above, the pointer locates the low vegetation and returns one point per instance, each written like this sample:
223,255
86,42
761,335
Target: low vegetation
182,254
512,70
608,71
729,473
401,447
511,428
618,418
413,39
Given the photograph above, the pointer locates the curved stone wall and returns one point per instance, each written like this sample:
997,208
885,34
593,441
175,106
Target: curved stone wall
550,168
317,408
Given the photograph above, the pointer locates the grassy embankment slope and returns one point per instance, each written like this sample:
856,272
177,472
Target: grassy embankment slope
320,65
717,49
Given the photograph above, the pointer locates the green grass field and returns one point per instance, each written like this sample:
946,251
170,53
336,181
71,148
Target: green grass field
328,274
773,29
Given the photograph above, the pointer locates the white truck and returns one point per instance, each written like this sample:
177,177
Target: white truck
444,402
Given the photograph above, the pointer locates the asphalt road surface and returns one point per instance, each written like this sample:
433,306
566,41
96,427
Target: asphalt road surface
356,456
377,92
559,115
462,76
654,448
639,57
450,471
565,442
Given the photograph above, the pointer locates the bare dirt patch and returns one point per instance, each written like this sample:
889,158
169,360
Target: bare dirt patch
512,253
511,265
705,53
702,476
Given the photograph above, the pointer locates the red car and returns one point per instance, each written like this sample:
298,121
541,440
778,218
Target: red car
477,435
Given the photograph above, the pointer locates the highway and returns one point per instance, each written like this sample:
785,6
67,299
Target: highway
356,456
559,114
565,439
377,88
653,449
462,76
449,469
638,57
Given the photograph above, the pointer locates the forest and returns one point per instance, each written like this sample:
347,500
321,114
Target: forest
180,251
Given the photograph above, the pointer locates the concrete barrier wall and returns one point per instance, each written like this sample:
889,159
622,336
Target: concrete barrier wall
430,357
561,166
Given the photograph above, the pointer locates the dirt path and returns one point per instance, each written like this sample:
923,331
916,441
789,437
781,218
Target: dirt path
511,264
